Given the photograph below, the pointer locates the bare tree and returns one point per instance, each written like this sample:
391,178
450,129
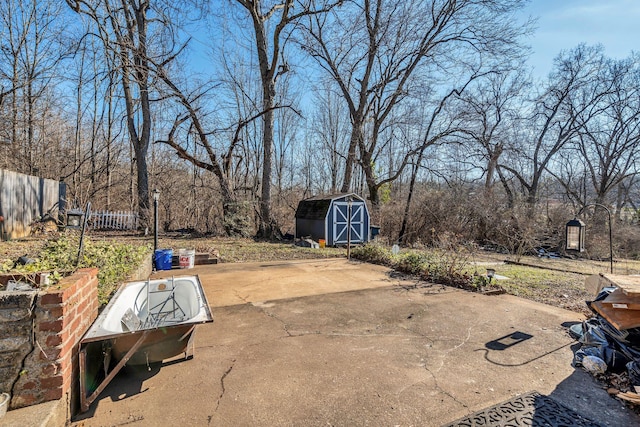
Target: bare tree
32,47
123,28
556,118
373,49
610,142
489,111
436,126
331,133
220,164
271,21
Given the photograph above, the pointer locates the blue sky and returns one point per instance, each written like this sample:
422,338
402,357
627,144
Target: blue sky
563,24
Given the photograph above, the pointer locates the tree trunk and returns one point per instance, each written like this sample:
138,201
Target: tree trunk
356,135
267,228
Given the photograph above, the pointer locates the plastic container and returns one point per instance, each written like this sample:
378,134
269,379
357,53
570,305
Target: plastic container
322,243
186,258
162,258
4,403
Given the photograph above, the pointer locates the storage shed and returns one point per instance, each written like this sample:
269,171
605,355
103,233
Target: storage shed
326,217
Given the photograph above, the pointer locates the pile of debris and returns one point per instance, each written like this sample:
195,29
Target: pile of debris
611,339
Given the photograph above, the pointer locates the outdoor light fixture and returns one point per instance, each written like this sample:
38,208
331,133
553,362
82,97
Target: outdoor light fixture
74,218
575,233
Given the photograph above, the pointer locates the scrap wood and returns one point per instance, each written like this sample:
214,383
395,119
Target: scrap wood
630,285
630,396
620,318
618,299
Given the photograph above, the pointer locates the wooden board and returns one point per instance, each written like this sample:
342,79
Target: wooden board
618,299
620,318
630,285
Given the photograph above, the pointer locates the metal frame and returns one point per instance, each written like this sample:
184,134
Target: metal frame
135,340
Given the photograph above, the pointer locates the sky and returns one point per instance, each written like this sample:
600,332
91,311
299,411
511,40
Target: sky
563,24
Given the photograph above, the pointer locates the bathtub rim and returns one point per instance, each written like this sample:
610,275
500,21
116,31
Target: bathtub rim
97,333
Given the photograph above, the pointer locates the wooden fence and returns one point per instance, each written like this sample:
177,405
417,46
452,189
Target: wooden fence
25,199
118,220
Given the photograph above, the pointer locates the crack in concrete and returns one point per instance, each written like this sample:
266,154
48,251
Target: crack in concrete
443,355
443,391
131,419
223,389
285,325
240,297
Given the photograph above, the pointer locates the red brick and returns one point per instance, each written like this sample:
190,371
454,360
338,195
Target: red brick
23,399
53,326
29,386
74,324
50,369
70,296
53,340
91,271
67,383
51,382
50,354
68,317
89,289
66,352
53,311
51,298
52,394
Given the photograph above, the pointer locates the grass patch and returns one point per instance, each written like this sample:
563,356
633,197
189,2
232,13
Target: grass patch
561,289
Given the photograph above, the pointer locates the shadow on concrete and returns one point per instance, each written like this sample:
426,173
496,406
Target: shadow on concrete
508,341
127,383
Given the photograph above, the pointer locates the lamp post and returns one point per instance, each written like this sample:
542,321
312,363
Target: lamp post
349,202
156,197
575,230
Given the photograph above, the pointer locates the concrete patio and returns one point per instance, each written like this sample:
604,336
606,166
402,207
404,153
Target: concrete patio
331,342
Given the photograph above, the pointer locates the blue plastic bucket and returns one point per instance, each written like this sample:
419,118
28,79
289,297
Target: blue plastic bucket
162,258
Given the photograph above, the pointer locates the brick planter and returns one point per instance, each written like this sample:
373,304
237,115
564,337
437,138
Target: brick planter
40,333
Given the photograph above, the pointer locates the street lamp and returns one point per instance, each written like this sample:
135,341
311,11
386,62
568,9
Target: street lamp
575,233
156,197
349,203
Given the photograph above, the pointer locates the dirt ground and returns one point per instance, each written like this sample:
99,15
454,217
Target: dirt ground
554,281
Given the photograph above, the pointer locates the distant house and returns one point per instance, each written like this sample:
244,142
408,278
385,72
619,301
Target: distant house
326,217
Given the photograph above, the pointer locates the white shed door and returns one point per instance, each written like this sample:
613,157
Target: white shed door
340,222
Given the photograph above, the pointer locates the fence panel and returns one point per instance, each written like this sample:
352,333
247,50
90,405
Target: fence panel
23,200
117,220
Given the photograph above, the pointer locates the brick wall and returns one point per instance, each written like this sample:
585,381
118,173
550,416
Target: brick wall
42,331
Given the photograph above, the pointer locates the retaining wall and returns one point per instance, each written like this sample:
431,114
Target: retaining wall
40,332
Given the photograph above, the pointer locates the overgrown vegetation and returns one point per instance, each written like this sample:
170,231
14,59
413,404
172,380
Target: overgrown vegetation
59,257
445,266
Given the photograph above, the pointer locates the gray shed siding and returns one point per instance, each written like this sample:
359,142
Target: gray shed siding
310,227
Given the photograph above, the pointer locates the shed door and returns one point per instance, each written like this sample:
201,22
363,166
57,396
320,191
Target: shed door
340,222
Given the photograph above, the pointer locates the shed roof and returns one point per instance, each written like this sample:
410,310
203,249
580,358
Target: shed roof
313,209
316,207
